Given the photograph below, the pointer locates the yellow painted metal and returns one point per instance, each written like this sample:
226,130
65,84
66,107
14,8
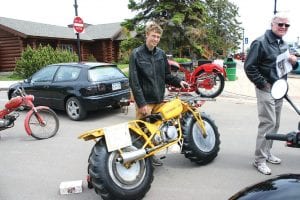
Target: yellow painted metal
146,131
92,134
171,109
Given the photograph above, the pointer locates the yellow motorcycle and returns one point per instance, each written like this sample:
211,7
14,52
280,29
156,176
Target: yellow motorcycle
120,164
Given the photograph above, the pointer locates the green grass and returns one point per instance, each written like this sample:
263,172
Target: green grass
124,68
9,77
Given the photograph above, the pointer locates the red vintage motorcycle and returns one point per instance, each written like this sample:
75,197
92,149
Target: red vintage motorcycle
207,80
41,122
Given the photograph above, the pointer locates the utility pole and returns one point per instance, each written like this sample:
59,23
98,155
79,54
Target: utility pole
275,5
243,40
77,34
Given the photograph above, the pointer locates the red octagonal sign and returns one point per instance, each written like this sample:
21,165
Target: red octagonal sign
78,25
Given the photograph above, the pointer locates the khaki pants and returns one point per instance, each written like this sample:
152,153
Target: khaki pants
269,111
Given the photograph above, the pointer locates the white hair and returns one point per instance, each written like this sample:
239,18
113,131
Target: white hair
280,15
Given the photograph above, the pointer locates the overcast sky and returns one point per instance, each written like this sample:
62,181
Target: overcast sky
255,14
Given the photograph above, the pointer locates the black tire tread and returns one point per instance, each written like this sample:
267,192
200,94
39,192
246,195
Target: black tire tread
189,149
99,178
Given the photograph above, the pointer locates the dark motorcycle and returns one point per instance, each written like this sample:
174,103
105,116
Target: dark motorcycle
279,90
284,186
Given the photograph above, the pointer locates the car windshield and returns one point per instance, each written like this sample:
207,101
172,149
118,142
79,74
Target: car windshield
103,73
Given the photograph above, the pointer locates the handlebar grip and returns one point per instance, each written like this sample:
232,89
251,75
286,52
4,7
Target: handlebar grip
273,136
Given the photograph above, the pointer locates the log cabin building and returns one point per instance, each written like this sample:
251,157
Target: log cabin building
101,41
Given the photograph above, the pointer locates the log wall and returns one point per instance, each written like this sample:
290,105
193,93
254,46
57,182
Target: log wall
11,48
10,51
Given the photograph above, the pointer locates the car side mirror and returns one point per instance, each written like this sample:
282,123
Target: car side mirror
279,89
27,80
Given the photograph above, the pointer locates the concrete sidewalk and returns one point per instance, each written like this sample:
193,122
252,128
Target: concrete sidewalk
243,90
5,84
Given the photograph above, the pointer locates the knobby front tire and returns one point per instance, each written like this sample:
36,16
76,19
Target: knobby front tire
195,147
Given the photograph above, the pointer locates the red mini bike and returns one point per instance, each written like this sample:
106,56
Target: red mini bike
207,80
40,122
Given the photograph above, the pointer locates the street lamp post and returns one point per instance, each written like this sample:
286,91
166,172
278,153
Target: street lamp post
77,34
275,5
243,41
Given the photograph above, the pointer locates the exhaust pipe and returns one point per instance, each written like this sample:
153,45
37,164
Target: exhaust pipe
131,156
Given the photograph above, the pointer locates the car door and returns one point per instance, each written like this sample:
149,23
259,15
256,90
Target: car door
64,84
40,83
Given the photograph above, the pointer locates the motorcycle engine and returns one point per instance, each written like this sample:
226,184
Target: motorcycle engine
169,132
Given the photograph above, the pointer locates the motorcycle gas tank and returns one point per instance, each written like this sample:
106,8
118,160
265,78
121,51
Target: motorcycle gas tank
285,186
171,109
14,102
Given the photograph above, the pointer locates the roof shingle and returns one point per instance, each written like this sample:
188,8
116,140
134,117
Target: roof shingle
34,29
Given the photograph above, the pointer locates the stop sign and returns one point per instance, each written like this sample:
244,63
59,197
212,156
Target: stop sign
78,25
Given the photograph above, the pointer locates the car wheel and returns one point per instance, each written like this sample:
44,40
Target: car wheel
12,94
74,109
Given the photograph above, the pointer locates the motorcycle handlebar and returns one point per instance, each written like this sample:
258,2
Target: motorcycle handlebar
280,137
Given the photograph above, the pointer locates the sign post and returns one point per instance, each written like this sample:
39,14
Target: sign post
78,27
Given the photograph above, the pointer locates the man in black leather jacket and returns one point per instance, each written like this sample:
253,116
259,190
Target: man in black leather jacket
149,72
261,68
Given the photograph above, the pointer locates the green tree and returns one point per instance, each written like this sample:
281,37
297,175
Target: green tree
224,29
34,59
196,24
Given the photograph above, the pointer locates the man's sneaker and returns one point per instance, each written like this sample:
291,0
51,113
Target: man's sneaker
273,159
262,168
156,161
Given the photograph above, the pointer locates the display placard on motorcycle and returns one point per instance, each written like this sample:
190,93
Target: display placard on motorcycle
117,136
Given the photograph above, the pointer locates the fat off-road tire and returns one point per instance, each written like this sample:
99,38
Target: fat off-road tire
195,147
112,181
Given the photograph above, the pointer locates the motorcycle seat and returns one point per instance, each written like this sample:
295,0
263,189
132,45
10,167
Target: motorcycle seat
152,118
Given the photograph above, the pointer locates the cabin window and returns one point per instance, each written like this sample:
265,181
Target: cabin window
68,47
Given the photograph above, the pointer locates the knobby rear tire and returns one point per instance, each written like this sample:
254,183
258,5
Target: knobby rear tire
110,178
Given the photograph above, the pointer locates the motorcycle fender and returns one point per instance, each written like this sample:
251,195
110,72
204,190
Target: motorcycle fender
210,67
92,134
27,117
200,122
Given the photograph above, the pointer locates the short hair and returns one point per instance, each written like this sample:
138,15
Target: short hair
280,15
152,26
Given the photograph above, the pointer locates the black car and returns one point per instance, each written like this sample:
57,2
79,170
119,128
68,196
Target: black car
77,87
